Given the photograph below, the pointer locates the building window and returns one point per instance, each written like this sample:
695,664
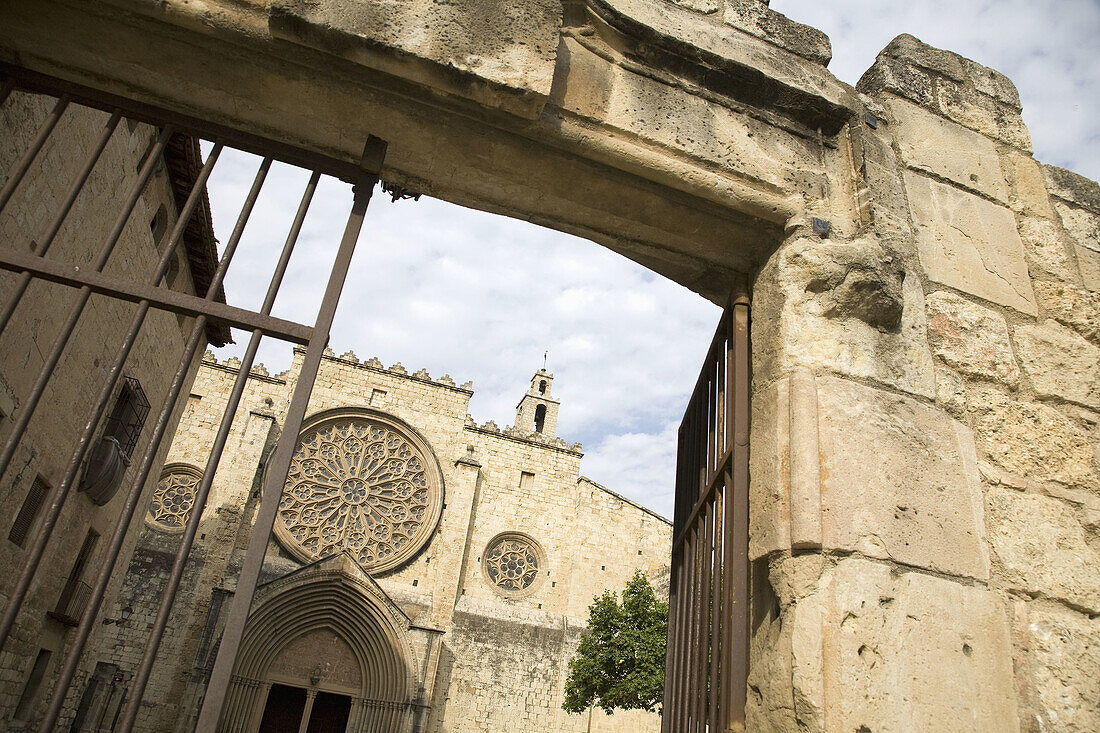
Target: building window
32,504
526,480
174,497
75,594
34,683
542,386
540,418
128,416
363,483
158,225
512,564
377,397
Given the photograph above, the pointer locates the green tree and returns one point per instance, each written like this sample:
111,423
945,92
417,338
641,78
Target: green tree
620,662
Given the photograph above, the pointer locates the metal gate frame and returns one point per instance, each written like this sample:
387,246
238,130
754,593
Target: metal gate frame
149,294
706,665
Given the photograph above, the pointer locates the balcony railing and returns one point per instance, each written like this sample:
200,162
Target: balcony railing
70,606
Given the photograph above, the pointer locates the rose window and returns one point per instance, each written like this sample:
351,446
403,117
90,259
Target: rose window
364,484
174,497
513,563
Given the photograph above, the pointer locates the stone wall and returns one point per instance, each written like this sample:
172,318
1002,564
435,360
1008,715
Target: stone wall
59,420
925,478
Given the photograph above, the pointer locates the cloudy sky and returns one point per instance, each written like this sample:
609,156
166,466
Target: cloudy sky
482,297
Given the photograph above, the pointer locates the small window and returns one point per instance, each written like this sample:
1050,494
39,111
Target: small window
34,683
377,397
542,386
32,504
526,480
128,415
540,418
158,225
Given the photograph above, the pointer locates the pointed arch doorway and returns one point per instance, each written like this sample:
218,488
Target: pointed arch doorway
325,651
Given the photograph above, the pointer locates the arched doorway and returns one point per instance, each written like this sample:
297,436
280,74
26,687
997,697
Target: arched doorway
325,651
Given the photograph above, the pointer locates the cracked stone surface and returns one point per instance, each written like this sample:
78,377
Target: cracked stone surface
969,243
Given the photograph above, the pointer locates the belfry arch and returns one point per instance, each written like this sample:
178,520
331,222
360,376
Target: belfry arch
331,601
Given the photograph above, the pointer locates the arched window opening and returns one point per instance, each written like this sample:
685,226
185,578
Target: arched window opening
540,417
542,387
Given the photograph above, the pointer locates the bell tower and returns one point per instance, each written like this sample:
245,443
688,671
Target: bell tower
537,412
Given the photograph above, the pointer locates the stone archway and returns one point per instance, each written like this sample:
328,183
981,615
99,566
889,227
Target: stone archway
330,636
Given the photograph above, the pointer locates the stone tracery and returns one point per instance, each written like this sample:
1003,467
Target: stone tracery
512,563
363,484
174,497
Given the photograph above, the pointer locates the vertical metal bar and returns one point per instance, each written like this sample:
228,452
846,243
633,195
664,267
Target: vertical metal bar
141,678
718,612
280,463
728,540
133,498
703,647
60,492
43,245
21,166
739,575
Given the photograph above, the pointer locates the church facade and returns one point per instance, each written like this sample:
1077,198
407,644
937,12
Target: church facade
426,574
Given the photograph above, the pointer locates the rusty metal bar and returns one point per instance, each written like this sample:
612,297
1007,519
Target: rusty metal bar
157,297
21,166
43,245
218,685
133,497
141,678
739,555
29,405
60,492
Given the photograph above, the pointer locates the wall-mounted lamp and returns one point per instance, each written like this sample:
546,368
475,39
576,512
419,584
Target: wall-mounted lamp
124,617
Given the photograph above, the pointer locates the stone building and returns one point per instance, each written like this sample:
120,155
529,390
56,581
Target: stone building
426,569
69,566
921,470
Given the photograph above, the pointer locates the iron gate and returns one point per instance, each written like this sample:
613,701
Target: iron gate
32,264
706,665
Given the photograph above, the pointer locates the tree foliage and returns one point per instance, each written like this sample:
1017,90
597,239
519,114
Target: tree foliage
620,662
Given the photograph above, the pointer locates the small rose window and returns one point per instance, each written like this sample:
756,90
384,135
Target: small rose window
174,497
514,563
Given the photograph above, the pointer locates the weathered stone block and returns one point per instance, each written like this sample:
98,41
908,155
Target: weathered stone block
847,306
1046,248
1072,187
970,338
930,143
1060,666
1072,306
1033,440
907,489
1028,189
756,18
898,650
1088,263
969,243
1083,225
1060,363
1039,547
499,54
